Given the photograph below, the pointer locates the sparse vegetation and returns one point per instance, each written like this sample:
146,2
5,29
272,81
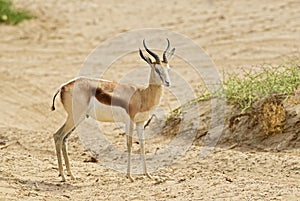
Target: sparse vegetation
257,94
254,92
245,87
250,86
9,15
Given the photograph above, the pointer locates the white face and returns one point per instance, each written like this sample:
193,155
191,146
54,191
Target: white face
159,68
162,72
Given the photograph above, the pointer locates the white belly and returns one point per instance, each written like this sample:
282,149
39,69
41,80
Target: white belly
106,113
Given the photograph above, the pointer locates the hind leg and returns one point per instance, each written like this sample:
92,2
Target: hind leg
75,99
70,129
60,145
65,154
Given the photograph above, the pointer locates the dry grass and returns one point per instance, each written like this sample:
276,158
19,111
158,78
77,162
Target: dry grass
272,116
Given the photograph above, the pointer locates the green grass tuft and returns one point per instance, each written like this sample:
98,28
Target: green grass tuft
243,90
8,15
246,87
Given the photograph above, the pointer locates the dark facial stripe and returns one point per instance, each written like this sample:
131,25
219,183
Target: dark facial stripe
158,72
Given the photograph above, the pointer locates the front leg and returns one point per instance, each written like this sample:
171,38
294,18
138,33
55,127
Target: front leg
129,132
140,131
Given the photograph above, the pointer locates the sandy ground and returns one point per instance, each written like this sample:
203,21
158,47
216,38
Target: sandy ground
40,54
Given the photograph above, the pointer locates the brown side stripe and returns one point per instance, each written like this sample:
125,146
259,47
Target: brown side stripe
107,99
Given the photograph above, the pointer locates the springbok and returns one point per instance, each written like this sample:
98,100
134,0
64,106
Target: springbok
109,101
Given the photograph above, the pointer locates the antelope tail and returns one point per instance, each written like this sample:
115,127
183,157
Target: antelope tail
53,100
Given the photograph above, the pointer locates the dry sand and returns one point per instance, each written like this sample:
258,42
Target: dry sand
40,54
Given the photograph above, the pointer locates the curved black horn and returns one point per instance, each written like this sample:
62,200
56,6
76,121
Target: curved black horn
147,59
165,52
156,57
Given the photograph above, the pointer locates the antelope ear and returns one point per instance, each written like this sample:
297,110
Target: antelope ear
171,54
147,59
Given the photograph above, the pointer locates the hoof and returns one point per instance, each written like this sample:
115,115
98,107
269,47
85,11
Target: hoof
63,179
130,178
148,175
71,175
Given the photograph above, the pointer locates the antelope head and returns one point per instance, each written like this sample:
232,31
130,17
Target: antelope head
159,68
